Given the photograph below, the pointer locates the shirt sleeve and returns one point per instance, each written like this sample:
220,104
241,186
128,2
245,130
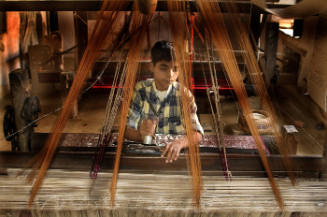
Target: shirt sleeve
135,109
195,120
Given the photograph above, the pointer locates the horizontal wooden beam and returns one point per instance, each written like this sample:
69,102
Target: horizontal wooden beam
240,164
95,5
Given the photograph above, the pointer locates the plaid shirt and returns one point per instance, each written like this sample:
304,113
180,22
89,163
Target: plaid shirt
169,110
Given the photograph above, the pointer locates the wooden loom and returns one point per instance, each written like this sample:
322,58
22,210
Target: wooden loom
52,146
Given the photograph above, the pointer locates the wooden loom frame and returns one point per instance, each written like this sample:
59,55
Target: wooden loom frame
239,163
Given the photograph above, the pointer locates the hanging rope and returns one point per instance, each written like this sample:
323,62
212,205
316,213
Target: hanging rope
179,28
259,84
105,22
212,16
139,21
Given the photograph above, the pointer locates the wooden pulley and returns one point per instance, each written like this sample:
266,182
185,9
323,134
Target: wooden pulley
147,6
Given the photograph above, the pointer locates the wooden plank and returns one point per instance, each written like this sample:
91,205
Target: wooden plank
95,5
271,43
65,193
81,38
243,164
324,172
255,25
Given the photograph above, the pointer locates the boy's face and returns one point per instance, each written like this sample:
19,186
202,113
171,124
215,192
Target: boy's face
164,73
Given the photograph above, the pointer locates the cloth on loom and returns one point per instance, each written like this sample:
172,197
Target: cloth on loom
169,110
67,193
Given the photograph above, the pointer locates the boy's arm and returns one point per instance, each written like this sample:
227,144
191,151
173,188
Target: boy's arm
132,134
147,127
134,114
173,149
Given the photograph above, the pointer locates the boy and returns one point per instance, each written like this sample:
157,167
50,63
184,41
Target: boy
156,105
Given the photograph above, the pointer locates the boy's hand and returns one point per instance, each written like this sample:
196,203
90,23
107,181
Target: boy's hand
173,149
148,127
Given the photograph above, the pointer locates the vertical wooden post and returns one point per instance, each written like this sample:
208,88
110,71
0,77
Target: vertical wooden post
323,175
81,33
3,29
54,26
20,90
255,24
3,22
81,38
271,43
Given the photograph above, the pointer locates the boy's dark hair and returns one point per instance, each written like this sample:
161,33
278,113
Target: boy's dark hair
162,50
